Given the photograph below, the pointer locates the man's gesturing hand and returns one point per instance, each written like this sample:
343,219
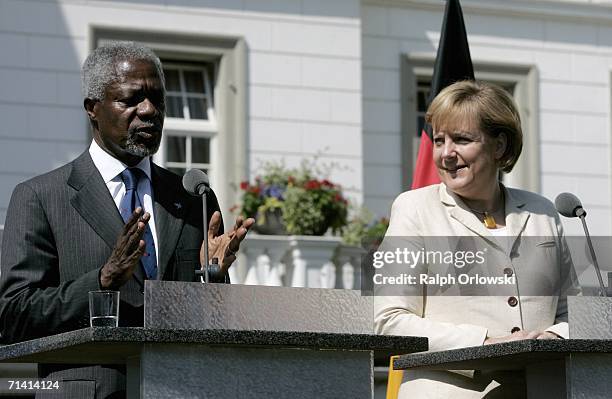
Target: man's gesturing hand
225,246
127,252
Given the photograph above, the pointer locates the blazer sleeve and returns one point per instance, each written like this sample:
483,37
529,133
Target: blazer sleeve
569,283
401,310
33,302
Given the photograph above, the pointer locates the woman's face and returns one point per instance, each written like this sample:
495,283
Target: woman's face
466,159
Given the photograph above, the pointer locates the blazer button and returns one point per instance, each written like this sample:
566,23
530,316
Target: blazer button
515,329
512,301
508,272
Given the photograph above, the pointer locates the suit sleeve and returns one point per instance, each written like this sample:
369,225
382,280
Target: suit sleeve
400,310
33,302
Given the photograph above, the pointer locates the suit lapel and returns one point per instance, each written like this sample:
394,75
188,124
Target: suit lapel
95,204
93,201
169,206
457,210
516,216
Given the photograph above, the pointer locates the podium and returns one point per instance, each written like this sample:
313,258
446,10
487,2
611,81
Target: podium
218,341
579,367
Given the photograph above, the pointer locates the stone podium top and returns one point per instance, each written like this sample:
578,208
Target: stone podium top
104,345
504,356
171,304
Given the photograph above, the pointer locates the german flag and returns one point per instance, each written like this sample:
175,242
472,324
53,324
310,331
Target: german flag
453,63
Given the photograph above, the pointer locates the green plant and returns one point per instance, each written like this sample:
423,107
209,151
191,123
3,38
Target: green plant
309,205
377,230
355,230
266,193
312,207
364,230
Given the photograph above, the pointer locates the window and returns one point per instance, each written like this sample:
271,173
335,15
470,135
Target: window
191,122
189,91
423,86
520,82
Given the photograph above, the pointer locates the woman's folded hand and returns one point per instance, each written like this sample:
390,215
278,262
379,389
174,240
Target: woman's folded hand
521,335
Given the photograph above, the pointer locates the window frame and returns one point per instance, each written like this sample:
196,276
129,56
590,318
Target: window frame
192,128
183,66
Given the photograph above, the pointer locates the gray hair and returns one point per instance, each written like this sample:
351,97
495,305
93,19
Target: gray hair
99,69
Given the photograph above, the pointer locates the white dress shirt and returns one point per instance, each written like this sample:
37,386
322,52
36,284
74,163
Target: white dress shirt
110,168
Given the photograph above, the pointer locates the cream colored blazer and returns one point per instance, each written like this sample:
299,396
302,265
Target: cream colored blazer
452,322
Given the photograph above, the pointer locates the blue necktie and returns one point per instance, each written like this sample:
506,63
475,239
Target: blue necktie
130,201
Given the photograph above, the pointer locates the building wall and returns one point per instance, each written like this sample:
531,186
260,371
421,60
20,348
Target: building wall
312,67
570,44
304,78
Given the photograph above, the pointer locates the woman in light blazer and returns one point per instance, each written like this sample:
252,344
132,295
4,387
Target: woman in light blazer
476,134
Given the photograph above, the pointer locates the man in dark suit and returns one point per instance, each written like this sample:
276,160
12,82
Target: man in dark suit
73,230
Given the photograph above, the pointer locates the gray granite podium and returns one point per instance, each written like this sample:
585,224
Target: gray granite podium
577,368
230,341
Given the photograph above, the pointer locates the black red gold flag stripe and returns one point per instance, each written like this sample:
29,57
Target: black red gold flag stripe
453,63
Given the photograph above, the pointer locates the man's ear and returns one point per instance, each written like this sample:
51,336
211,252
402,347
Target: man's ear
89,105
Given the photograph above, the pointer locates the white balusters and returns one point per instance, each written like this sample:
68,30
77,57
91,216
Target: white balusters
348,267
298,261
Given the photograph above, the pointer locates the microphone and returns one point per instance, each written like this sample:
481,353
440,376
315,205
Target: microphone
569,205
196,183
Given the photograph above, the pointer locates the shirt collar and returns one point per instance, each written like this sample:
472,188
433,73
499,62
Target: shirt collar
110,167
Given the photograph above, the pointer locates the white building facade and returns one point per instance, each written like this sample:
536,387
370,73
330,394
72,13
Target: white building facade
256,80
251,81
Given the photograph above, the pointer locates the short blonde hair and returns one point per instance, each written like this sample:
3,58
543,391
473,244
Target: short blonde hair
489,105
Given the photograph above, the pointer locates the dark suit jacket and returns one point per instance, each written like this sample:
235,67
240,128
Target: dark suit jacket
60,230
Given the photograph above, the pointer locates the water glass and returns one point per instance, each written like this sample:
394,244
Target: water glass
104,308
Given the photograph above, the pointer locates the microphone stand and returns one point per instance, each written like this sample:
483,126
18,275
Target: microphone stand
602,288
204,270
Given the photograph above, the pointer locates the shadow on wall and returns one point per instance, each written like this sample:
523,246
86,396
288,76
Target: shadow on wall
321,8
43,125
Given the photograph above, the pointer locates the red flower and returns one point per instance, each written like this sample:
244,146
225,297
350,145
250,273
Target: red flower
255,190
338,197
327,183
244,185
312,185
